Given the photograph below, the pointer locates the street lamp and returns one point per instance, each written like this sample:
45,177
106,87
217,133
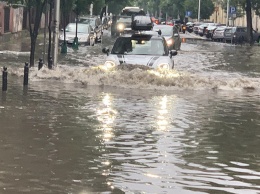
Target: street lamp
227,13
199,12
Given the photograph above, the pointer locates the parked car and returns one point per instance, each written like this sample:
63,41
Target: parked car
211,28
238,34
96,24
202,28
218,34
196,27
171,34
85,34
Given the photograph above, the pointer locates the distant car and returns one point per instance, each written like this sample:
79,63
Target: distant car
171,34
142,48
218,34
211,28
85,34
121,25
238,34
202,28
96,24
196,27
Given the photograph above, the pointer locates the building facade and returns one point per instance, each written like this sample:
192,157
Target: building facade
220,16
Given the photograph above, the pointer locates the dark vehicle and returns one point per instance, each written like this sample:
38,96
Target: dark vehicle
142,23
121,26
238,35
189,27
178,23
171,35
96,24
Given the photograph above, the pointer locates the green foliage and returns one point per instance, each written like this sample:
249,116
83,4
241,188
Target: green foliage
206,8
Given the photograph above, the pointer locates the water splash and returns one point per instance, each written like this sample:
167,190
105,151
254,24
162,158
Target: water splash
141,77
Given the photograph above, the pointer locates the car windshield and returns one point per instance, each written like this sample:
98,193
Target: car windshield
90,21
228,30
138,46
125,20
81,28
165,31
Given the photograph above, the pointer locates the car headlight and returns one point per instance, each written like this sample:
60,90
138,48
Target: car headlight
163,66
120,27
109,64
170,42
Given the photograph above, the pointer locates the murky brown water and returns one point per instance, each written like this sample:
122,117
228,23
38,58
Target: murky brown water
79,130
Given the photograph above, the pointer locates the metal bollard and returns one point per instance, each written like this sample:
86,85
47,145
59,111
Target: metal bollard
50,63
4,87
40,64
26,74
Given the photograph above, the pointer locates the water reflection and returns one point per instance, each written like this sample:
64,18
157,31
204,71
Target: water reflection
106,115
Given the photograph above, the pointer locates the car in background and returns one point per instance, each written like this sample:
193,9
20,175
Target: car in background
121,25
196,27
171,35
202,28
96,24
238,34
211,28
218,34
85,34
142,48
189,26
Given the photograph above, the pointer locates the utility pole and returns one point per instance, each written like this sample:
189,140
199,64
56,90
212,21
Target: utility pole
56,32
199,12
227,22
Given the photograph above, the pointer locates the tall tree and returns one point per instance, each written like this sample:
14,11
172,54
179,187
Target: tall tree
35,9
248,6
206,8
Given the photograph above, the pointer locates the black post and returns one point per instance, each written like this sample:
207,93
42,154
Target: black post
50,63
26,74
4,87
40,64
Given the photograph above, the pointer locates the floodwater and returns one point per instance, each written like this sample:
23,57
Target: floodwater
80,129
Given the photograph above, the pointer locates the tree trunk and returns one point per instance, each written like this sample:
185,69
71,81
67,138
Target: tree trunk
32,51
249,22
35,27
50,32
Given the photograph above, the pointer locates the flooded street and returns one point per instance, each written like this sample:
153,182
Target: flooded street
80,129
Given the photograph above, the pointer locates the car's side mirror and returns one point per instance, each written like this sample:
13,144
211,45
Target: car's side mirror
176,35
62,29
173,53
105,50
